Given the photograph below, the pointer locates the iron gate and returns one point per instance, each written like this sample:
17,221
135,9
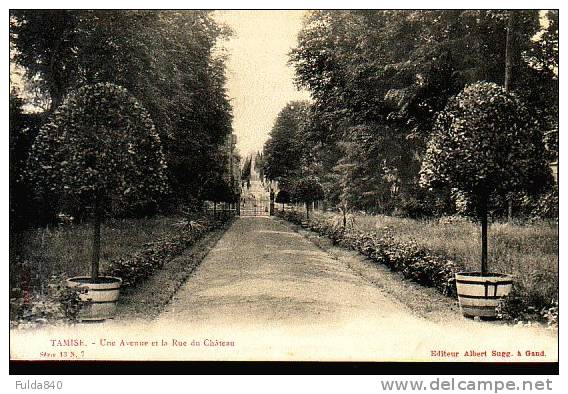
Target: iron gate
252,205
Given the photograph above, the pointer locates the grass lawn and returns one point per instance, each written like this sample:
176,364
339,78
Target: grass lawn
67,249
528,251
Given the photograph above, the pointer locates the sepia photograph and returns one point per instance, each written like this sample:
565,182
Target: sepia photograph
372,186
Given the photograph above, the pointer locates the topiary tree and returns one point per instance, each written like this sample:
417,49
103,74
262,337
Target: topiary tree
100,148
217,189
485,143
282,197
307,190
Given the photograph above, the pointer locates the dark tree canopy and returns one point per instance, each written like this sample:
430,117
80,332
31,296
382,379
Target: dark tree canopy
218,189
245,172
283,197
22,132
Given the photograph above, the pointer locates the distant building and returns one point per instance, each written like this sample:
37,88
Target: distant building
255,197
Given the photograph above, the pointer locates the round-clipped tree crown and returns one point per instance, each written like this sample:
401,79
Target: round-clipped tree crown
308,189
100,144
485,141
282,197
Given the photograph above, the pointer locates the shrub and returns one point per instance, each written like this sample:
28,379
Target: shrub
517,306
414,262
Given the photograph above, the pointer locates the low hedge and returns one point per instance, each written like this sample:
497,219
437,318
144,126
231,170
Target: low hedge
135,268
417,263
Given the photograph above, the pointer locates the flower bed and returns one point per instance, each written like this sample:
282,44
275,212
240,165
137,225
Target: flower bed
416,262
59,303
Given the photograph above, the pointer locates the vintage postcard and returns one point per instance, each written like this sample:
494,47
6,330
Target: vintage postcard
284,185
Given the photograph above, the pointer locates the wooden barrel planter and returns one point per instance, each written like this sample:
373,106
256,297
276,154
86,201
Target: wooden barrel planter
479,295
102,296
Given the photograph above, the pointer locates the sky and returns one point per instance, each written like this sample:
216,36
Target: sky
259,80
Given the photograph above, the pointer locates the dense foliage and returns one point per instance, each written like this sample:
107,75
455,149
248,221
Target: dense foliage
100,146
285,150
485,142
99,149
283,197
246,170
23,130
307,189
218,189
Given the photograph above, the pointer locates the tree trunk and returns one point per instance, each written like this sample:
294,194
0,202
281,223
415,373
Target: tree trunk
344,218
510,210
307,210
56,91
509,50
484,237
96,252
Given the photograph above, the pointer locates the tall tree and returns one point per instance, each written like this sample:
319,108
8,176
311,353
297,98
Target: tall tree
246,170
366,181
44,41
285,151
22,132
